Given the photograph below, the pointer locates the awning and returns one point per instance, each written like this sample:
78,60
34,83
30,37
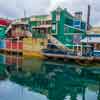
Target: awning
72,45
42,26
91,40
19,23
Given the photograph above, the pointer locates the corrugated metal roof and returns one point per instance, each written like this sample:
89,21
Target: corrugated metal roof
91,40
41,18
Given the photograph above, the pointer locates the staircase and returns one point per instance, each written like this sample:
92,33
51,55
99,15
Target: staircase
57,43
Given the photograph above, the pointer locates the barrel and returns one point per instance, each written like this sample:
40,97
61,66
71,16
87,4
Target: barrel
14,44
10,60
8,43
2,44
17,44
20,44
16,60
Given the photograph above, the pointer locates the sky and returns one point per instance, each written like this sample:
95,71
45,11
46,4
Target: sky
18,8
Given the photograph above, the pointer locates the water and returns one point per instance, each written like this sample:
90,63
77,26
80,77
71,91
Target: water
23,78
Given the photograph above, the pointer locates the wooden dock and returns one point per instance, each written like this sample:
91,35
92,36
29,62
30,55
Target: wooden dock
71,57
33,54
22,52
11,51
40,54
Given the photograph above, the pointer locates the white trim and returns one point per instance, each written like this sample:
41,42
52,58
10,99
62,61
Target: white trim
72,33
3,25
75,28
97,51
53,33
79,23
57,28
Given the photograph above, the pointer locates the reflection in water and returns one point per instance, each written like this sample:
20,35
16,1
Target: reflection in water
11,91
55,80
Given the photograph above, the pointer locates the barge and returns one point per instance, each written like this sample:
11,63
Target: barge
82,60
81,57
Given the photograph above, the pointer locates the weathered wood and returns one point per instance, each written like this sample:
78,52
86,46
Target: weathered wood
71,57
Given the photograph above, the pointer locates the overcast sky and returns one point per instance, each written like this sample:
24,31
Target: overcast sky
15,8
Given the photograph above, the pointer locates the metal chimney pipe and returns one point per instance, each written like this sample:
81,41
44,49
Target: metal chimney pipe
88,17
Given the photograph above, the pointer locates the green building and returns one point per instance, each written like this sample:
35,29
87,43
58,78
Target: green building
40,25
4,23
68,29
2,31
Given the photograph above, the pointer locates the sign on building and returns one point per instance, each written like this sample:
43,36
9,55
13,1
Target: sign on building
77,23
77,38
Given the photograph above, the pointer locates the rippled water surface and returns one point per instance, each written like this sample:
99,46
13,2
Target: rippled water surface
23,78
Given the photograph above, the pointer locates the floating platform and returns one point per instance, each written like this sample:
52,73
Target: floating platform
33,54
80,58
11,51
22,52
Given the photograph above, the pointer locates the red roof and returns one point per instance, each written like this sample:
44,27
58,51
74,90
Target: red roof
5,22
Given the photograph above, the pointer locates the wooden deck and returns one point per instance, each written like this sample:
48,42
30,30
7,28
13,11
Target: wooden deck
39,54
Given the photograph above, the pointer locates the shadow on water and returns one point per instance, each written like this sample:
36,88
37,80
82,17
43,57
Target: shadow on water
54,79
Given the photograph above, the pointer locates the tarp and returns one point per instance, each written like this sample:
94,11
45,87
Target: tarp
4,22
